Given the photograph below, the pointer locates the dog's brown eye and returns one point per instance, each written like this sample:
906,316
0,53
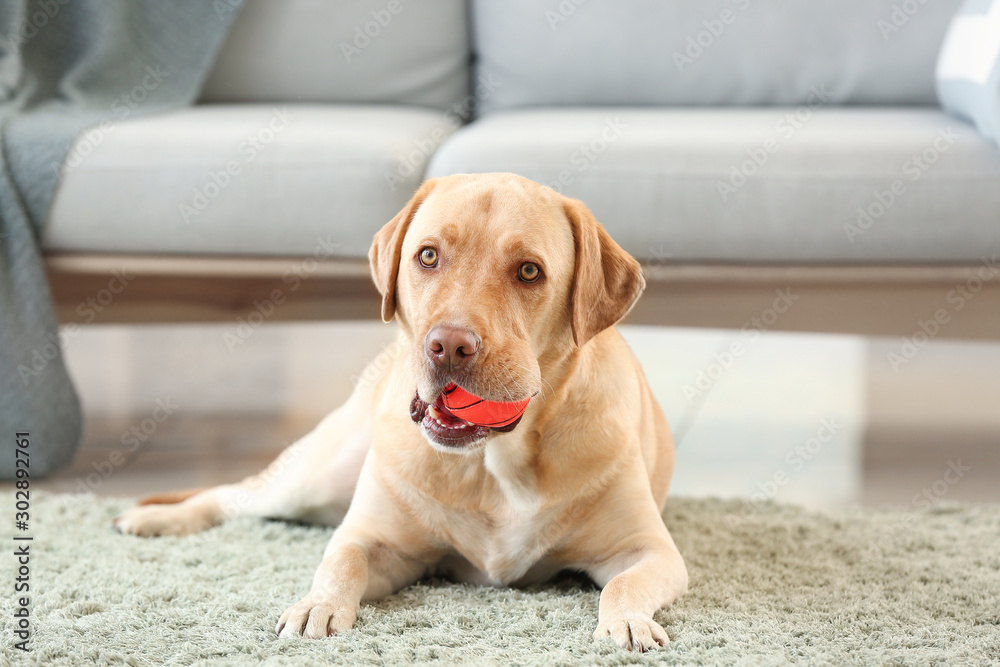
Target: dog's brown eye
529,272
429,257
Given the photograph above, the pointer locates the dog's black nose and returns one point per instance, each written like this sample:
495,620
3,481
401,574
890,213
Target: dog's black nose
451,348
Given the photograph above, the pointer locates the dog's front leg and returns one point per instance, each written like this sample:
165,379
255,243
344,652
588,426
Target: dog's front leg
353,571
376,551
637,582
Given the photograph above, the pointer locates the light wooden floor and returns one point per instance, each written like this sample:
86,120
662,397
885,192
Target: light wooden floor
238,407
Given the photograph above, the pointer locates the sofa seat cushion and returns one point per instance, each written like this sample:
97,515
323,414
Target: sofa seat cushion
767,185
242,179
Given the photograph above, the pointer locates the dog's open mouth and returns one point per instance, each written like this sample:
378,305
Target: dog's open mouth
447,429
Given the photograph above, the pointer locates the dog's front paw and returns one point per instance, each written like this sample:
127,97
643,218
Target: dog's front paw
633,634
156,520
313,618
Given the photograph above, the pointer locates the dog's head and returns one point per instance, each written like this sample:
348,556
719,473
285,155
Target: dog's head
494,278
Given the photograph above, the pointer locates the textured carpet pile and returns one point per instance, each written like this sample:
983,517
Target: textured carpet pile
768,586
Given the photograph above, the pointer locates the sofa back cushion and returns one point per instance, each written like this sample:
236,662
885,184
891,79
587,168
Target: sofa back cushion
709,52
365,51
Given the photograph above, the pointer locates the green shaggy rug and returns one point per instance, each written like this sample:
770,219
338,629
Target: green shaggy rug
768,586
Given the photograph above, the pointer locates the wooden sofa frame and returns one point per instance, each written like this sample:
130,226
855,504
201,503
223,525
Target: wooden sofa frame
875,300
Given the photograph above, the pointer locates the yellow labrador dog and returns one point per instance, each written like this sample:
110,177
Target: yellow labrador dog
509,290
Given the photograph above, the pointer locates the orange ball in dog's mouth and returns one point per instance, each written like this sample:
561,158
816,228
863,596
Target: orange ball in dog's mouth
458,417
481,412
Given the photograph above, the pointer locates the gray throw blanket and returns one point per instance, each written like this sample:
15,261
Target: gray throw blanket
65,66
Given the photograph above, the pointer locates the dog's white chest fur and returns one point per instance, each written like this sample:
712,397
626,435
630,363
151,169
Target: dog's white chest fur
509,547
517,540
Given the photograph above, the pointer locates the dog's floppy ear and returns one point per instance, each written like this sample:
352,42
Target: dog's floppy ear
607,280
386,248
